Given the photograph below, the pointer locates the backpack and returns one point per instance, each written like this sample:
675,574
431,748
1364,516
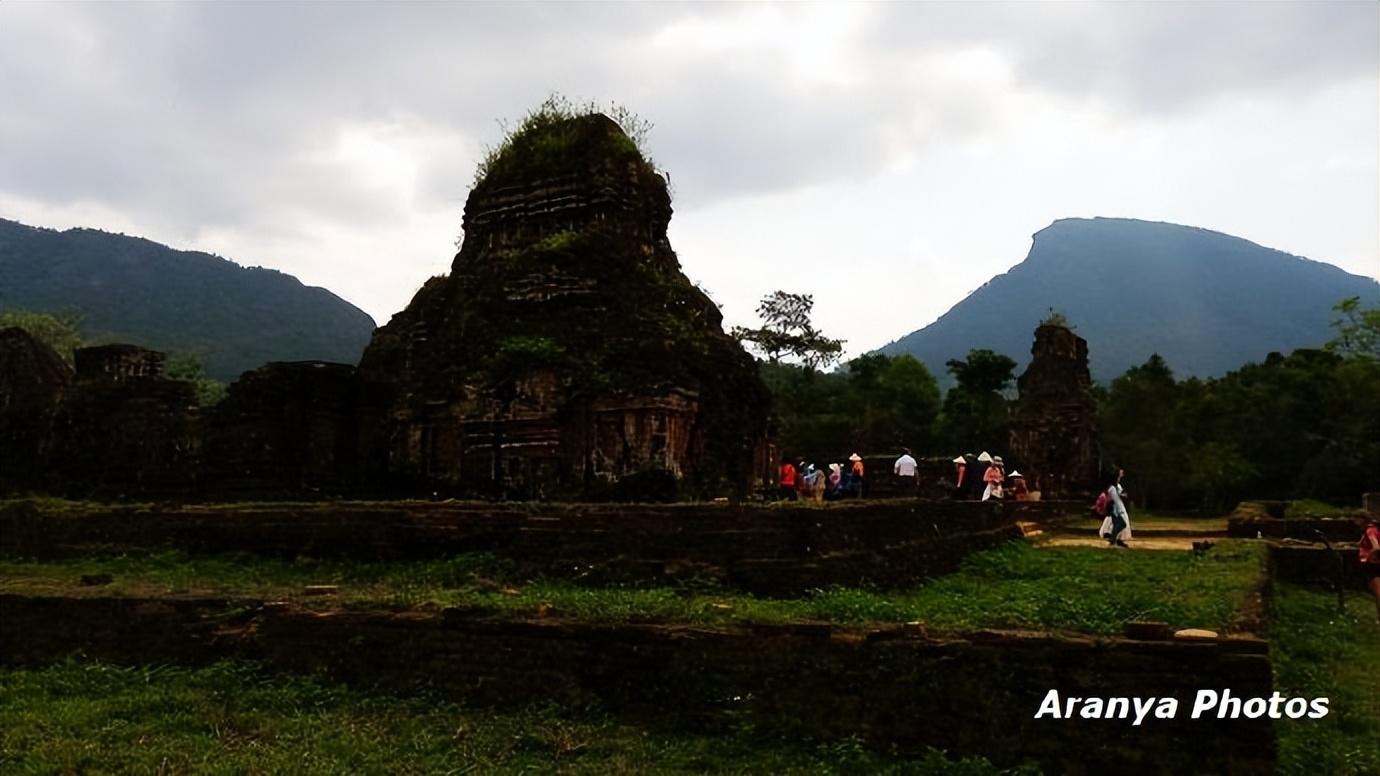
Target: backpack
1102,505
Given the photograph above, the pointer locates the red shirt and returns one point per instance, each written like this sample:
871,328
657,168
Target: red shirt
1369,546
787,475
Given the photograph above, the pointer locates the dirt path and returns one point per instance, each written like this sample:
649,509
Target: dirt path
1149,533
1136,543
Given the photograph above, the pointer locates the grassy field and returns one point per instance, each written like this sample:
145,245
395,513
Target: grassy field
1088,590
1319,653
1149,521
1310,508
232,718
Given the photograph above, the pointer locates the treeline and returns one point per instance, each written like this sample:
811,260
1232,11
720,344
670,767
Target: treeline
1305,425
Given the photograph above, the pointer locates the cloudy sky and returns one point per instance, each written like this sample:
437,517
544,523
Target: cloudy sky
887,158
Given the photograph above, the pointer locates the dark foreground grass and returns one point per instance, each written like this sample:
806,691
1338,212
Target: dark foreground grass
234,718
1319,653
1088,590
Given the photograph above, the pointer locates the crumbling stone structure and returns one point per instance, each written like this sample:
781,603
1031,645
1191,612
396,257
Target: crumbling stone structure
285,429
565,355
119,362
33,380
566,350
122,428
1054,424
889,686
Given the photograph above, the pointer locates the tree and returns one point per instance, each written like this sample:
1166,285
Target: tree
983,371
896,402
789,332
60,331
975,409
1358,330
1141,431
187,366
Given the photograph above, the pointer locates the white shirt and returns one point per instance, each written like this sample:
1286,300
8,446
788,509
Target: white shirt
905,466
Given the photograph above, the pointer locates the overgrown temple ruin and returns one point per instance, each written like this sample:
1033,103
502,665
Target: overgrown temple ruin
113,427
1054,424
566,351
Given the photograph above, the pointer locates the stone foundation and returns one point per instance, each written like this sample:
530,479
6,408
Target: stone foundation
761,549
890,687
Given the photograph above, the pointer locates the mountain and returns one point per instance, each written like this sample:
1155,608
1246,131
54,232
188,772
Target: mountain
129,289
1205,301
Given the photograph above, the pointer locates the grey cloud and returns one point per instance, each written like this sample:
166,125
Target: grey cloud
1155,56
201,112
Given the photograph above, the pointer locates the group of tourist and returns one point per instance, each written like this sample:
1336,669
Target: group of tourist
983,477
803,480
979,478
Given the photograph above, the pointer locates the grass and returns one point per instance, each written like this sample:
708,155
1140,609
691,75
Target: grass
235,718
1311,508
1319,653
1149,521
1088,590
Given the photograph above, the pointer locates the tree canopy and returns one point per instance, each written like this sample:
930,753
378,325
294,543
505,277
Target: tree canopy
787,331
59,331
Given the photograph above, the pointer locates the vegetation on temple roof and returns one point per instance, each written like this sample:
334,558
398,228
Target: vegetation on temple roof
560,137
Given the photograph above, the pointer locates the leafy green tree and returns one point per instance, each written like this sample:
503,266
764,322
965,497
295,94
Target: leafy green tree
983,371
1220,474
814,411
1306,425
788,332
1358,330
60,331
895,403
1140,432
187,366
975,411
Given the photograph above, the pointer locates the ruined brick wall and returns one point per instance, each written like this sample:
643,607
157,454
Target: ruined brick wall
115,428
286,428
33,380
1054,424
887,686
124,430
771,549
117,362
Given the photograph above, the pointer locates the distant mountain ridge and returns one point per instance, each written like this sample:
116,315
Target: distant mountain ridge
135,290
1205,301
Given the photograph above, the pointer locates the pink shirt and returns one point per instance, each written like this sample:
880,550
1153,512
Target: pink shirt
1369,546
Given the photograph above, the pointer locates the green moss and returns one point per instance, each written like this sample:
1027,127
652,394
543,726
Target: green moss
560,241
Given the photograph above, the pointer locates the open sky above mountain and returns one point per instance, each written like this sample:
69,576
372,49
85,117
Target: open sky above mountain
887,158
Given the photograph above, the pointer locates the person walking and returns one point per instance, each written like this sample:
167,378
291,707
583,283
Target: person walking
819,481
1019,491
857,469
905,470
994,477
960,469
1119,529
1369,551
833,488
786,480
